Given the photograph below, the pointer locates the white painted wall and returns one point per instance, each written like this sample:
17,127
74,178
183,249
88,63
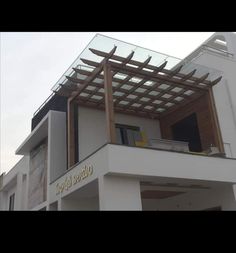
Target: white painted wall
53,206
8,194
119,193
88,204
224,92
99,161
195,200
24,193
92,131
57,159
13,183
136,161
92,128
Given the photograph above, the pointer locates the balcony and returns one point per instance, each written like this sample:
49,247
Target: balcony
155,173
120,78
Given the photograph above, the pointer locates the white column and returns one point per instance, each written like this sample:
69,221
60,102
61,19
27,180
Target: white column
234,189
59,207
3,200
18,200
119,193
231,40
229,198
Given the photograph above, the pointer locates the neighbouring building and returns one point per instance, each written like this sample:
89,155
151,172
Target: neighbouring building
127,128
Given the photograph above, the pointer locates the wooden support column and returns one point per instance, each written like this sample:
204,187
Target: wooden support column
216,125
109,107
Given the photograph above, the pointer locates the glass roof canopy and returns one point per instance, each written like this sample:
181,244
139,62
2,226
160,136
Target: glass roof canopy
145,82
104,43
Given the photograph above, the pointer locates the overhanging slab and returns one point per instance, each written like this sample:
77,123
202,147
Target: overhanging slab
35,137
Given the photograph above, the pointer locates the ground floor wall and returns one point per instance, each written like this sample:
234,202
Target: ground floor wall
85,204
125,193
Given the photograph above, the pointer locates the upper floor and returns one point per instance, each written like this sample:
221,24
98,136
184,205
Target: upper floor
117,93
154,100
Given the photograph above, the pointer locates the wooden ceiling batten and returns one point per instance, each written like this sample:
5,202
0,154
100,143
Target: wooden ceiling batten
140,84
130,77
139,72
153,77
129,57
94,73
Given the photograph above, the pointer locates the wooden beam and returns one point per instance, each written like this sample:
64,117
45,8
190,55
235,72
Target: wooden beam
173,95
94,73
123,63
201,79
216,81
140,84
139,72
139,95
153,77
110,118
175,71
181,104
217,132
142,114
151,67
119,87
188,75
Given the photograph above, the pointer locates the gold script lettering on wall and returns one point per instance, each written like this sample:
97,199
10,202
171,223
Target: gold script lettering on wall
71,180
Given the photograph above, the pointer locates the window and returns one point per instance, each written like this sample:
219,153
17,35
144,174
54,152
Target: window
187,130
11,202
127,135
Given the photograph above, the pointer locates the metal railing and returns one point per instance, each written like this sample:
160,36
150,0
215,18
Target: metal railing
42,105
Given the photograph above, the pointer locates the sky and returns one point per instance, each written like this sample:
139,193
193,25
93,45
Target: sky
32,62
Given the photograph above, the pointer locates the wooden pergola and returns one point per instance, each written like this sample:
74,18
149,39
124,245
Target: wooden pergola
124,85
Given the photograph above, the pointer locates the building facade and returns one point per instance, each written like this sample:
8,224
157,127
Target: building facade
127,128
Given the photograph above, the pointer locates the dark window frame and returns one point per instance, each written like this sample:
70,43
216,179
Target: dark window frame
123,131
11,202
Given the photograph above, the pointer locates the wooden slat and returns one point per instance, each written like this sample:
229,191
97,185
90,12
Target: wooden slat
181,104
216,81
140,84
201,79
120,81
70,147
94,73
120,89
120,110
131,71
123,108
146,76
153,98
171,99
213,112
151,67
143,104
129,77
175,71
139,95
189,75
142,74
129,57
